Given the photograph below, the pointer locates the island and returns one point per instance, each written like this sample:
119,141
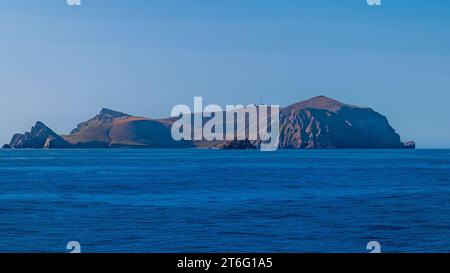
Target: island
316,123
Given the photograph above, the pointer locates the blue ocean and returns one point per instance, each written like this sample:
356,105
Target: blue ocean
191,200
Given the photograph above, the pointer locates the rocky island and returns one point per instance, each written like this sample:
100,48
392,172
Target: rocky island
317,123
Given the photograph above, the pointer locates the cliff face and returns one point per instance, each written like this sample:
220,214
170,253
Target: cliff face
317,123
325,123
40,136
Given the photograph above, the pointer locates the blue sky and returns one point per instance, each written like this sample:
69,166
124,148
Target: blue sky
62,64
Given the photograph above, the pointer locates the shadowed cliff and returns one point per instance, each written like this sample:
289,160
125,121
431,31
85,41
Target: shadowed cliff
322,122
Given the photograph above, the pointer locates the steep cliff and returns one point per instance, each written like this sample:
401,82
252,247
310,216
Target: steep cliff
322,122
40,136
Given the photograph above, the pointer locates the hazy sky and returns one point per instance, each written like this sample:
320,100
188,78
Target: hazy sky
62,64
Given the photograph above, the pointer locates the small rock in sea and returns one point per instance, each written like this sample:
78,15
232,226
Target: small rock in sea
239,145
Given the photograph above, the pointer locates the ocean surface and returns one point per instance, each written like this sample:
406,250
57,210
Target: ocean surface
191,200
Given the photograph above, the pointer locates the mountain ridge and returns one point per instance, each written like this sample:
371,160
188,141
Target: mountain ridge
318,102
